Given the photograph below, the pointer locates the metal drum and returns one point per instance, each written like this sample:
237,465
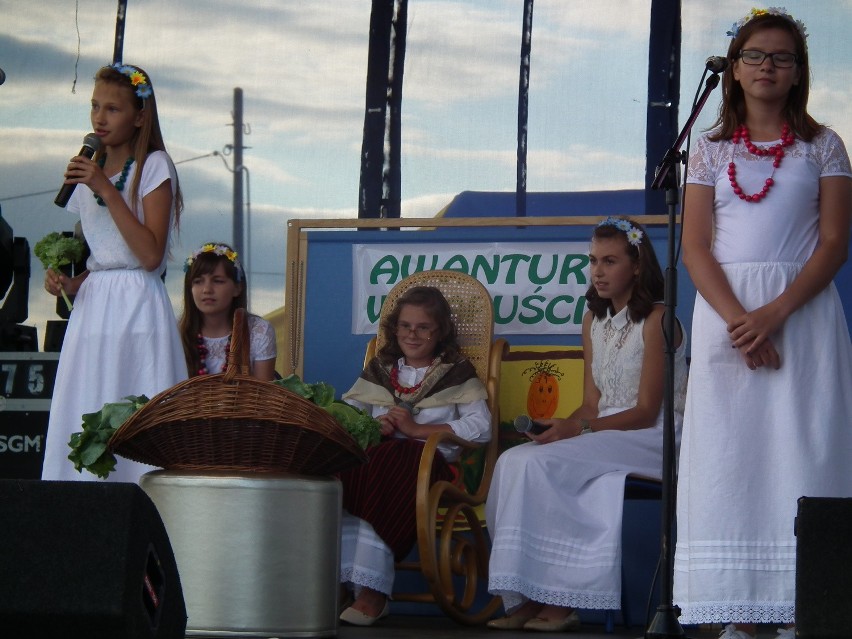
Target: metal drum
258,554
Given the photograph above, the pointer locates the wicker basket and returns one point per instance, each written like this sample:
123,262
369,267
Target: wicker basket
235,422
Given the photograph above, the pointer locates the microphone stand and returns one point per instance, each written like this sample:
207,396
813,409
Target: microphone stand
665,624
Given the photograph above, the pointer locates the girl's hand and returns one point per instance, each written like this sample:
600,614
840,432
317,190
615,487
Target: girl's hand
55,282
758,356
402,421
82,170
386,427
753,328
559,429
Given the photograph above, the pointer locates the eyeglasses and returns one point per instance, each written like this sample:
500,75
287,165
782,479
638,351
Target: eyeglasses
421,332
780,60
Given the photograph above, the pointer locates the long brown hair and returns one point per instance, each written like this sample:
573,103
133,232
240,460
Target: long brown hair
649,286
435,305
147,137
732,110
190,322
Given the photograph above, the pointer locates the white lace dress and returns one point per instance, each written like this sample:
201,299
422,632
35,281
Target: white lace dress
554,510
756,441
122,337
262,345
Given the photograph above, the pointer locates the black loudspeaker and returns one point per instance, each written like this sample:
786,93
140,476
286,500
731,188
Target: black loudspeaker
823,573
86,560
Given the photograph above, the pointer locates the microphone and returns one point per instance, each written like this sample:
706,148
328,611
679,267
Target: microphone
91,143
411,408
523,424
716,64
2,76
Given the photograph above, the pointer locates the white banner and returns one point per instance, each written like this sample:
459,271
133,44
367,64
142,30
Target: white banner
538,287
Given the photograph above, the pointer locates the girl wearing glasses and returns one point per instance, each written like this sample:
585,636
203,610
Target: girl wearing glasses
766,229
417,384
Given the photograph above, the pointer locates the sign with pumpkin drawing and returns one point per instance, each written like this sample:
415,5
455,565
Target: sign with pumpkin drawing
543,393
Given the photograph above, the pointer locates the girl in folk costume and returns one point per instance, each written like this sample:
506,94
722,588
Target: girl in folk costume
214,288
122,336
766,229
417,384
555,505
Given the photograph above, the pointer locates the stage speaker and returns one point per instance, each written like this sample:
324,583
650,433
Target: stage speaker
823,574
86,560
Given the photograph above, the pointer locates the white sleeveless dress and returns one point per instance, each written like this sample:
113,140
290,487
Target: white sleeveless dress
554,510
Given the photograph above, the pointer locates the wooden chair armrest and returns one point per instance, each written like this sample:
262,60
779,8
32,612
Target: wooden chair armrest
424,473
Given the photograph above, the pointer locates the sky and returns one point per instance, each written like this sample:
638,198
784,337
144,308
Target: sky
302,69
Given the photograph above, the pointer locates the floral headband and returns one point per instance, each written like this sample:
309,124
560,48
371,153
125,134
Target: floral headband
634,235
217,249
771,11
137,79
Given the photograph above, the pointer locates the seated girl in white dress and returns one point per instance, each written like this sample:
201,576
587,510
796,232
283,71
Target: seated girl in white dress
555,505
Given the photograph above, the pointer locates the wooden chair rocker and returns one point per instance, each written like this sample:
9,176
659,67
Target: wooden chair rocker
452,545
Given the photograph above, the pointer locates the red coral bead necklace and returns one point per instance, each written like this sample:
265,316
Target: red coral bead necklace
202,354
776,150
399,388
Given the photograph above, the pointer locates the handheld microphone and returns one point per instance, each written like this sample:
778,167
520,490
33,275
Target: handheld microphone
2,76
91,143
524,424
411,408
716,64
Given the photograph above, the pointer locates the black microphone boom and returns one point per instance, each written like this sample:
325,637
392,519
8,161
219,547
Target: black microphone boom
90,144
716,64
523,424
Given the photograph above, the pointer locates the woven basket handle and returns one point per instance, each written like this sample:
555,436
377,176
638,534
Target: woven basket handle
238,358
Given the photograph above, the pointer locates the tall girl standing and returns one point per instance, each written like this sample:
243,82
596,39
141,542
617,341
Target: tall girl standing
122,336
766,229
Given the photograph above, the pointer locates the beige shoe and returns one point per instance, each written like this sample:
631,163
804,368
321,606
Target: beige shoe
509,622
570,622
358,618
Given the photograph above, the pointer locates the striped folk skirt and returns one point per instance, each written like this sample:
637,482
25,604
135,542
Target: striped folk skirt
383,490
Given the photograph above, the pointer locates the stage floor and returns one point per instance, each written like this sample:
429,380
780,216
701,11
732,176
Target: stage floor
413,627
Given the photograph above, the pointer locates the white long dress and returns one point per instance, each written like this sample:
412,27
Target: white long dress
555,510
756,441
122,336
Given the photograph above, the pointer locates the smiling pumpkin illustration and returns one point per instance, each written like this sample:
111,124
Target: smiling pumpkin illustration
543,394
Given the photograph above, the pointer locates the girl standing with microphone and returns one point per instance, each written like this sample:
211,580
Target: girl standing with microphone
122,336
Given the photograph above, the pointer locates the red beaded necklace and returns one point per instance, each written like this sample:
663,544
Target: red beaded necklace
202,355
399,388
741,133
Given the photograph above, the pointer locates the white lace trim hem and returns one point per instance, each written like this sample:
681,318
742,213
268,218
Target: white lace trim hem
737,612
357,578
515,592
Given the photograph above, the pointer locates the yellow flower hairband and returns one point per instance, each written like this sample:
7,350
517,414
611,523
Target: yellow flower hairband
217,249
137,79
770,11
